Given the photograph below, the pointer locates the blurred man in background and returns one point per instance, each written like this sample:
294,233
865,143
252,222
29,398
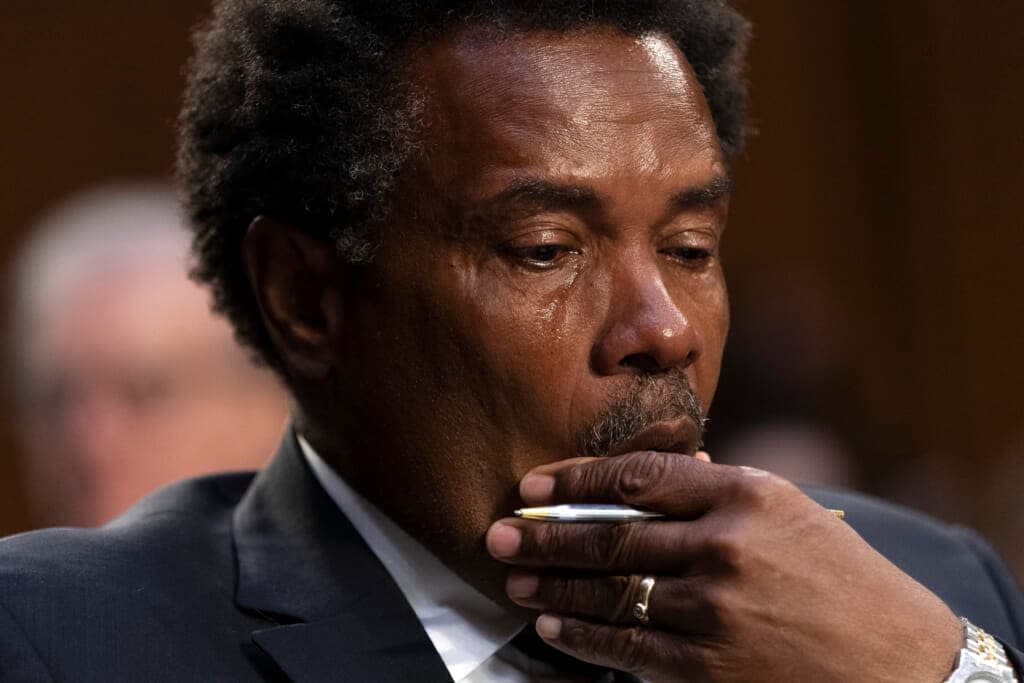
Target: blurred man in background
123,379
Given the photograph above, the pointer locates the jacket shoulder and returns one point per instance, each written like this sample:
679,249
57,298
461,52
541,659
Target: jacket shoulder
90,599
174,519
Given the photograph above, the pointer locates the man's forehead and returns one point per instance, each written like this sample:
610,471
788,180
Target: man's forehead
571,104
567,64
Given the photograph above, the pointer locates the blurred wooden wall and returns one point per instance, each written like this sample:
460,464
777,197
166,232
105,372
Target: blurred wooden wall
889,164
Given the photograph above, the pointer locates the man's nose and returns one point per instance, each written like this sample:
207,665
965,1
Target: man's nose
648,328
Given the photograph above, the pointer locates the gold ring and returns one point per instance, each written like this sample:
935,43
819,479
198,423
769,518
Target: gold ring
640,608
840,514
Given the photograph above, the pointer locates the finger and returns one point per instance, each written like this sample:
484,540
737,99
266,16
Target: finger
537,487
651,654
662,547
683,605
677,485
667,482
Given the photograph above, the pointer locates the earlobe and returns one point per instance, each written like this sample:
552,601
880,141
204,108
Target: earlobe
293,277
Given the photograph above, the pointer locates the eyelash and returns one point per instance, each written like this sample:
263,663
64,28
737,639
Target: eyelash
547,256
690,255
529,256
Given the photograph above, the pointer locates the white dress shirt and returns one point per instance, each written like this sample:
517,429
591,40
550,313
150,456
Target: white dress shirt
469,631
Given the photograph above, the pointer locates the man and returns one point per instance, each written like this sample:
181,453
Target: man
478,240
123,380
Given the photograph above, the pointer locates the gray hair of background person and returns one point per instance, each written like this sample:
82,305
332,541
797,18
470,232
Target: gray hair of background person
106,226
122,379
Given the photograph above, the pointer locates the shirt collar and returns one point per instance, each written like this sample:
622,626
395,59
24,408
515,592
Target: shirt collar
465,627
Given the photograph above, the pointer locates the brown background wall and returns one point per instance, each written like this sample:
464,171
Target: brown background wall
890,163
888,170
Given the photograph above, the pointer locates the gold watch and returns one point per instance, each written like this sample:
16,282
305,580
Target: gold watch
982,659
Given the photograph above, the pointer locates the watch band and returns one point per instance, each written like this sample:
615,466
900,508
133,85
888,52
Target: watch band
982,659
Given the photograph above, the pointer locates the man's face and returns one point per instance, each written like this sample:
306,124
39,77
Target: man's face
549,281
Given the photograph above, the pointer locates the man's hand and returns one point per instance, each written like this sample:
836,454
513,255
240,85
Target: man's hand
754,580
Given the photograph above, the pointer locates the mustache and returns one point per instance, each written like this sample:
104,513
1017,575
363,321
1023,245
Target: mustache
650,399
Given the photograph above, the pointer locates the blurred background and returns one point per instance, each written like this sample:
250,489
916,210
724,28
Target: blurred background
874,252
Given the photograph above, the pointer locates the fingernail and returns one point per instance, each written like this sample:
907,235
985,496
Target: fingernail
537,488
521,586
548,627
503,540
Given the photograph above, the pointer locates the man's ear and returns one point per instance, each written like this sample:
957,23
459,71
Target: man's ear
295,277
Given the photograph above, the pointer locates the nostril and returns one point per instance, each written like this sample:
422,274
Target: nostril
641,361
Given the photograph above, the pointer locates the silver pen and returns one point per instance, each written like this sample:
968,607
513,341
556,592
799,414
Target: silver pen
597,512
587,512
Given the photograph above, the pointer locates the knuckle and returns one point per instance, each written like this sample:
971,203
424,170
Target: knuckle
550,540
618,595
578,481
558,592
718,605
609,545
570,595
779,487
599,545
640,472
579,636
727,548
759,492
629,647
748,490
717,660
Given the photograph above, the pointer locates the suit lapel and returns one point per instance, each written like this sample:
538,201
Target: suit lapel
351,648
339,614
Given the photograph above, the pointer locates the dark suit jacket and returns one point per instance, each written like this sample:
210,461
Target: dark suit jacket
230,578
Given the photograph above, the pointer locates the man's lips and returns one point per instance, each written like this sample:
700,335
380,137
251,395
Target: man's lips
678,435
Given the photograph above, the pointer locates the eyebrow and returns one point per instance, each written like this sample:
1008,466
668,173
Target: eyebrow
547,194
557,196
702,195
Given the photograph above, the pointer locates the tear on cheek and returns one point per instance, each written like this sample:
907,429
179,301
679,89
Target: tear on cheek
547,313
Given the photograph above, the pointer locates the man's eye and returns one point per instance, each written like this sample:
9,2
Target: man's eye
690,255
544,252
542,255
